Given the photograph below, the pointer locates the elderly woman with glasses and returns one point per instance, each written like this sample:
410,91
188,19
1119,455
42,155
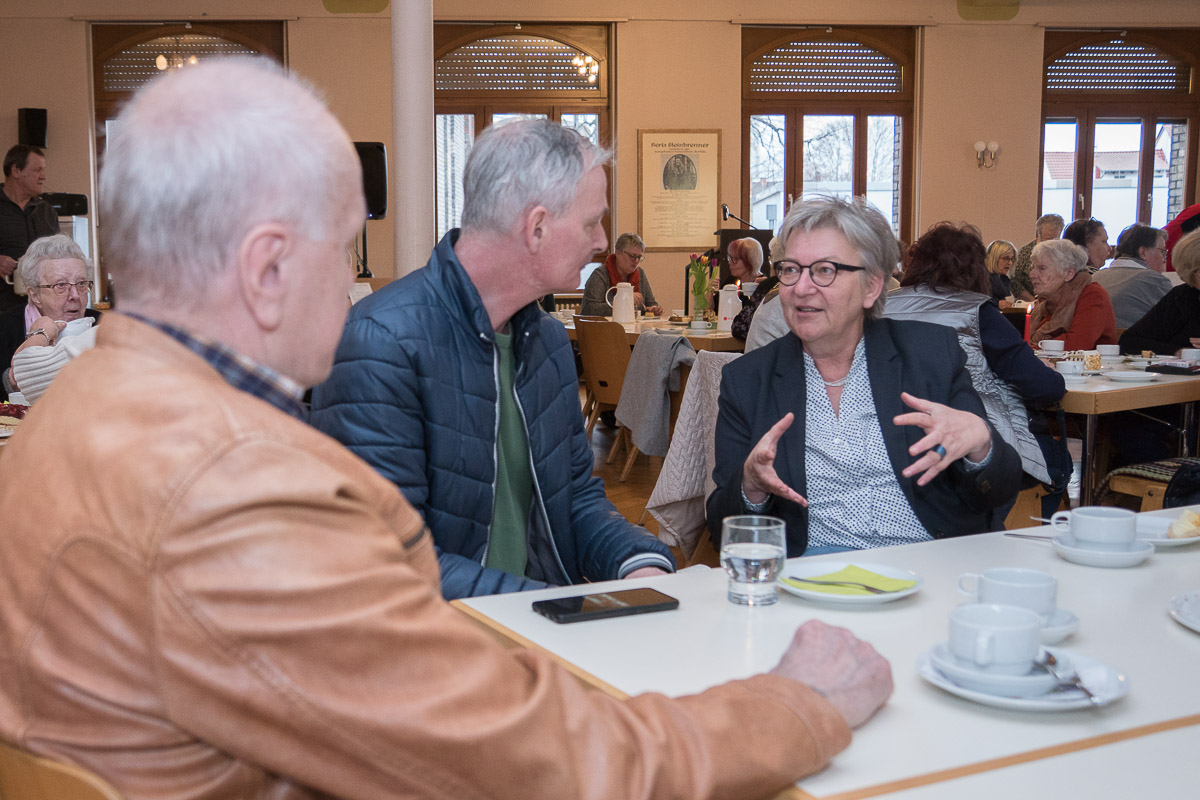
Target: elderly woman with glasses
620,267
857,431
1134,280
998,260
55,272
1070,306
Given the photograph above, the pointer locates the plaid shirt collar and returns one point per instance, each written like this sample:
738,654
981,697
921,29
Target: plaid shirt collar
239,371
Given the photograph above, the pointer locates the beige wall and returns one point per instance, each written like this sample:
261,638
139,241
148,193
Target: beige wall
677,66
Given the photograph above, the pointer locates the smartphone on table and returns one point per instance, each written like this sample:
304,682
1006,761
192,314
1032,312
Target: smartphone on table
605,604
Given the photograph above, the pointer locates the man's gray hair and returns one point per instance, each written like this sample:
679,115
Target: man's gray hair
863,227
627,239
49,248
203,155
517,165
1062,254
1048,220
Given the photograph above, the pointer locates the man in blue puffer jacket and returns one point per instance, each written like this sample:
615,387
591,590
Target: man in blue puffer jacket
453,384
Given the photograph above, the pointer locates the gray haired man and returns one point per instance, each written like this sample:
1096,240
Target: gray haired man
1047,227
457,388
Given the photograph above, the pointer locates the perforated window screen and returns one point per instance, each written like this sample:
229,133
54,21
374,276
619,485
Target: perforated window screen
824,67
514,63
1118,66
135,66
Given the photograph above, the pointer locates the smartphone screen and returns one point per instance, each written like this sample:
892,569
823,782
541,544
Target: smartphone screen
605,604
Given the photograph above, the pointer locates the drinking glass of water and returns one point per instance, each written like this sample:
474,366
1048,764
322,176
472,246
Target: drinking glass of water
752,551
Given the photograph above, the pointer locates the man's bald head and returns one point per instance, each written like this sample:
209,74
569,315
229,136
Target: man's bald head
203,155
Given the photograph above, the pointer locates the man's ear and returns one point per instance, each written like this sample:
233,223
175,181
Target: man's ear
263,272
534,227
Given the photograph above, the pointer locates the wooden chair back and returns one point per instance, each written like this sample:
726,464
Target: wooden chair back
24,776
604,351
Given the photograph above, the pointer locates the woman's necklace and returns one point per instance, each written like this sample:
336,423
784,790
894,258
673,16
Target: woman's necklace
838,382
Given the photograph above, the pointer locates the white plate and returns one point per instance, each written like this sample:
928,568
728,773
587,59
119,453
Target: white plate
1067,547
1034,683
1104,681
1154,530
6,431
1062,623
1131,376
810,568
1185,609
1138,362
1074,378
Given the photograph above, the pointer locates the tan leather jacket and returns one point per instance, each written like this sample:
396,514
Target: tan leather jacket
204,598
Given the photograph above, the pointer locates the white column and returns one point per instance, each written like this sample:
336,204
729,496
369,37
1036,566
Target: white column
412,155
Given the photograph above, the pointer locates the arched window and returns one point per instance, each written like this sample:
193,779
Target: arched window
1119,134
827,111
492,74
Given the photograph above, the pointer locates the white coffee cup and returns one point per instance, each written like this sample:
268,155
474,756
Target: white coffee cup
1099,527
995,638
1189,354
1069,367
1108,349
17,282
1052,345
1012,586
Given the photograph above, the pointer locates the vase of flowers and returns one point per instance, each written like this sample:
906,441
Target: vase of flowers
700,269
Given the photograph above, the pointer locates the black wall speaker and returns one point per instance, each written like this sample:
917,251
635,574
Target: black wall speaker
31,126
373,156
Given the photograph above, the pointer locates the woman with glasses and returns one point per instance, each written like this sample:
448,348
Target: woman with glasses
998,261
1134,280
1071,307
55,272
857,431
623,266
745,265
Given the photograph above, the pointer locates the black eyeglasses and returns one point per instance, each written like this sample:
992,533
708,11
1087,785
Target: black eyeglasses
823,273
635,257
62,287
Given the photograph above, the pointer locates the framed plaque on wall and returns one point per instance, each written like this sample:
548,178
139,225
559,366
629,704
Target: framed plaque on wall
679,180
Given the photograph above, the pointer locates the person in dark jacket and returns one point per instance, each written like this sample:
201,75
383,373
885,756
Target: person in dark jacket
1174,322
455,386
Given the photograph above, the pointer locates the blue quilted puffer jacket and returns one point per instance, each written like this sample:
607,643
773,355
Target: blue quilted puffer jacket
414,392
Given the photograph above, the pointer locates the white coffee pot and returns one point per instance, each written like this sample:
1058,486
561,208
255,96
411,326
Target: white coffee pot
622,305
729,305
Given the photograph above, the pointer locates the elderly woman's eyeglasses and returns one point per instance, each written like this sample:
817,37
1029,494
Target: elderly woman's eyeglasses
634,257
62,287
823,273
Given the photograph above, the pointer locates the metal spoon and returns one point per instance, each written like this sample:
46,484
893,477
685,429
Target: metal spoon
871,589
1030,536
1066,676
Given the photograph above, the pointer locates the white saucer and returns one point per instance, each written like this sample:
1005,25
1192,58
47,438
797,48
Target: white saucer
1131,376
1062,623
1033,683
1185,609
1154,530
811,568
1112,359
1074,378
1104,681
1067,547
6,431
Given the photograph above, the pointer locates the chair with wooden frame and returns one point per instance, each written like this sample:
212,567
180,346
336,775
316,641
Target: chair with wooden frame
589,399
604,350
24,776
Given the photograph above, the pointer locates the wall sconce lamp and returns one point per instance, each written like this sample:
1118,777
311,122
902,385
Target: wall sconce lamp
985,153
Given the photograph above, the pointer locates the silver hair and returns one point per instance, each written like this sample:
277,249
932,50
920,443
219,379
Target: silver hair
1063,254
626,239
1048,220
49,248
863,227
775,248
203,155
517,165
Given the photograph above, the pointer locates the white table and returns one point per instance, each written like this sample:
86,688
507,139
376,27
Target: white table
926,743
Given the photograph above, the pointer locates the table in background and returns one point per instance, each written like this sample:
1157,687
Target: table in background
718,341
925,742
1099,395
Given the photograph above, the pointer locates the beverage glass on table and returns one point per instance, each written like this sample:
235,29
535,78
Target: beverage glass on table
753,548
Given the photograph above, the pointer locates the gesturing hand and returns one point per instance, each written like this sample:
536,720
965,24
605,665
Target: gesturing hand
759,478
950,434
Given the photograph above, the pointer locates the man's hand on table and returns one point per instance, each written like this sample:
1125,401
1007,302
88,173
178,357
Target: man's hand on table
844,669
646,572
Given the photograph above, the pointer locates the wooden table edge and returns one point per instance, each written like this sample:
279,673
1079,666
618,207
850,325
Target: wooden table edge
514,638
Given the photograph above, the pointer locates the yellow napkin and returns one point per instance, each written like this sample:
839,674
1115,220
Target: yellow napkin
855,574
